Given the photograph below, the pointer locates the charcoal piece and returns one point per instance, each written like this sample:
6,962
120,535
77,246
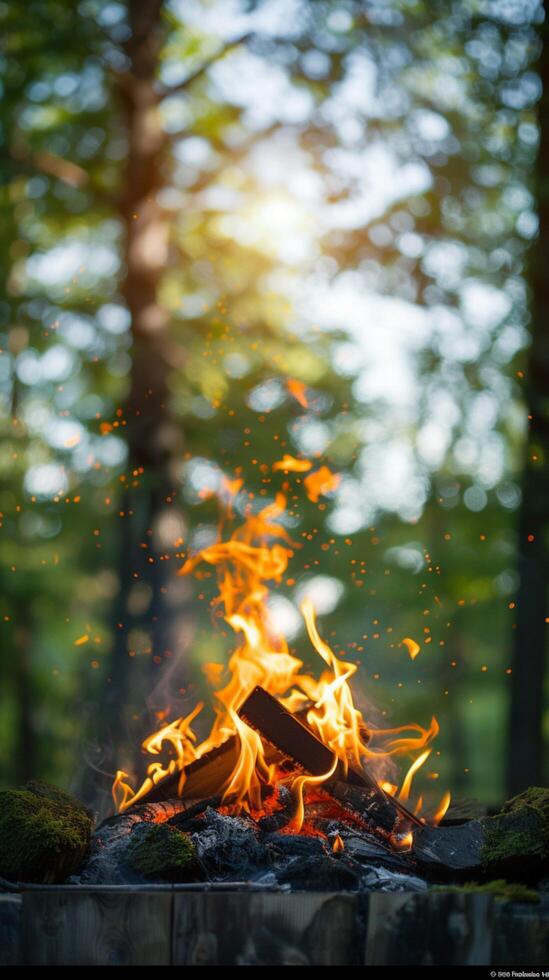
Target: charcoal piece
318,874
514,844
295,845
229,847
186,818
451,851
278,819
368,850
382,879
374,808
274,821
289,735
462,810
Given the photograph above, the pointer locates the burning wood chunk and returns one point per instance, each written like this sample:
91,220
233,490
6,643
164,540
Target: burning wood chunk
203,778
281,728
355,790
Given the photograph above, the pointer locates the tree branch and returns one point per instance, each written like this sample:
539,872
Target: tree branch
168,90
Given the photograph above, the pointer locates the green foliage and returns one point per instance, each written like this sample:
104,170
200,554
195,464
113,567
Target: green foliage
44,833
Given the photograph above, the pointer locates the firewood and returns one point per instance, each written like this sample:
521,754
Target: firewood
354,788
203,778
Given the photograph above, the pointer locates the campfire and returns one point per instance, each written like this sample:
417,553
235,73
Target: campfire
289,749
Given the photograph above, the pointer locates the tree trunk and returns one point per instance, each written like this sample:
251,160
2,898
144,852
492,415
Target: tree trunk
148,527
525,747
25,754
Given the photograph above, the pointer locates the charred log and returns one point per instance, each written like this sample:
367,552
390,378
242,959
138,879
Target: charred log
354,789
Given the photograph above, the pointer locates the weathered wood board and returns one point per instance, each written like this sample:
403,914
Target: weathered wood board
11,907
191,926
265,929
521,936
431,929
116,928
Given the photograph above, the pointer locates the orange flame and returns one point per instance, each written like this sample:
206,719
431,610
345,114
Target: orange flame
257,553
320,482
442,808
298,389
290,464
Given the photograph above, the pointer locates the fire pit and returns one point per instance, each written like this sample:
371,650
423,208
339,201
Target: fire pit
281,838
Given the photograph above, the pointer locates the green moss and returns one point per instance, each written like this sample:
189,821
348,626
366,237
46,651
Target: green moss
503,891
44,833
162,853
55,794
517,839
536,798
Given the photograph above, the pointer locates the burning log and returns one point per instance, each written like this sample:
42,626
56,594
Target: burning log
355,789
203,778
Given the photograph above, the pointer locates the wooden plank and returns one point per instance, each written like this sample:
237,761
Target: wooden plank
10,929
265,929
96,929
429,929
521,935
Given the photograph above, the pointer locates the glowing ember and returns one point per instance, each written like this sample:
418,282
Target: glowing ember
289,464
320,482
298,389
412,647
256,553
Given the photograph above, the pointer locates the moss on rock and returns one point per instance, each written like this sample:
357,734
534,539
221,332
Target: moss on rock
162,853
503,891
535,799
44,833
517,839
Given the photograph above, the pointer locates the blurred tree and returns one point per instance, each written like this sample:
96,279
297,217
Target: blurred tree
528,691
152,436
